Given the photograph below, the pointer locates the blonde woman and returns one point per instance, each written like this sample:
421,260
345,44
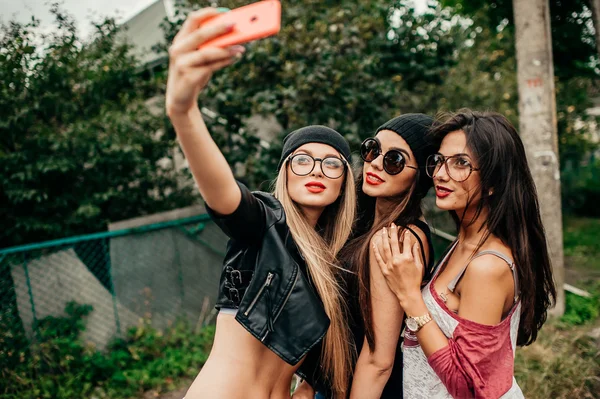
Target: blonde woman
279,295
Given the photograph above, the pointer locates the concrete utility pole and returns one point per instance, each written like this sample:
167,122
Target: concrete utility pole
537,123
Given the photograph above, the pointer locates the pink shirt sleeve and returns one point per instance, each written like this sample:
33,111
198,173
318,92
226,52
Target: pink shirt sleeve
478,361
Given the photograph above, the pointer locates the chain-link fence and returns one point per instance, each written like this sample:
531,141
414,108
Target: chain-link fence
159,272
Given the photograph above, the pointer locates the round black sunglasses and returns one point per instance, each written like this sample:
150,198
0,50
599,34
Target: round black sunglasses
394,161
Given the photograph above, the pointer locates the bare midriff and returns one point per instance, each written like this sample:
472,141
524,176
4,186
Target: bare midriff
240,366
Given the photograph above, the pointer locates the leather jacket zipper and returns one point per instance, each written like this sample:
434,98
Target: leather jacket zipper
270,323
266,284
288,295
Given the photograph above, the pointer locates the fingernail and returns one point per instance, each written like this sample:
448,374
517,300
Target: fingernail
237,49
223,9
393,226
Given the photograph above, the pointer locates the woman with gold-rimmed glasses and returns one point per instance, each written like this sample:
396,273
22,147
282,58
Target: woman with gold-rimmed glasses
492,289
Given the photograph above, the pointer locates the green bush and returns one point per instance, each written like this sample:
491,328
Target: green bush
59,364
80,146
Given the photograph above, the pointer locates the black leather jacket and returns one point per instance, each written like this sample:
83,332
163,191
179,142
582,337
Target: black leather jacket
264,277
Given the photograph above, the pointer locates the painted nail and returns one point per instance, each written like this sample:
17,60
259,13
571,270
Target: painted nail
237,49
223,9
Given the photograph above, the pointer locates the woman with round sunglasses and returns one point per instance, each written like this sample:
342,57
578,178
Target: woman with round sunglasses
278,294
492,289
391,188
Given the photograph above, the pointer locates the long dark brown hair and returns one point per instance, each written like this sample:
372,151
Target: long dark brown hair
355,255
509,195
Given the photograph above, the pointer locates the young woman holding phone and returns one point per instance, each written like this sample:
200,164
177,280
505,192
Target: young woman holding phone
279,295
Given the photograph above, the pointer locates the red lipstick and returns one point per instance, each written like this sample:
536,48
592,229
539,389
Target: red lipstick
315,187
442,192
373,179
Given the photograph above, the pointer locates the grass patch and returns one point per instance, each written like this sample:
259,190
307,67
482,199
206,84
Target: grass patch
582,244
60,365
562,363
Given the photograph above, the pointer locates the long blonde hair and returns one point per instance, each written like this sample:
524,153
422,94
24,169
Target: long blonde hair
320,252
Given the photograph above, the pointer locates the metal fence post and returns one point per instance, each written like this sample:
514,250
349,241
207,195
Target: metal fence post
105,247
30,292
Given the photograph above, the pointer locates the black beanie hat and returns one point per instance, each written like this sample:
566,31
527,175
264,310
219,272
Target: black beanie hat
314,134
413,129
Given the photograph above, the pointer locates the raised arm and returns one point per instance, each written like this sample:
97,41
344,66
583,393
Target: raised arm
190,70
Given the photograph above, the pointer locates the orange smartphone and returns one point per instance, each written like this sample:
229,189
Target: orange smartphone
252,22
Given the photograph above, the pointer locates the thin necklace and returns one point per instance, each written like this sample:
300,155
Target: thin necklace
444,295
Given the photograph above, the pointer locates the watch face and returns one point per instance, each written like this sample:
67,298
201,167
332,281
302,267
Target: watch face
412,324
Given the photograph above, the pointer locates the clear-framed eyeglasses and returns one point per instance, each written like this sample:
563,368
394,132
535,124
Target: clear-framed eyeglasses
458,167
304,164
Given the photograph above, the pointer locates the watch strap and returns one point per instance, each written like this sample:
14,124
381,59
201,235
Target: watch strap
421,321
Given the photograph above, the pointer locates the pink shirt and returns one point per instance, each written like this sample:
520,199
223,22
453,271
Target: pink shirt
478,361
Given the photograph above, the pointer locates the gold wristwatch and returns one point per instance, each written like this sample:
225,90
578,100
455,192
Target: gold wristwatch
414,324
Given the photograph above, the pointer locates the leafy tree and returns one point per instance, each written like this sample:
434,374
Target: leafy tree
484,76
576,78
78,145
350,65
573,42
